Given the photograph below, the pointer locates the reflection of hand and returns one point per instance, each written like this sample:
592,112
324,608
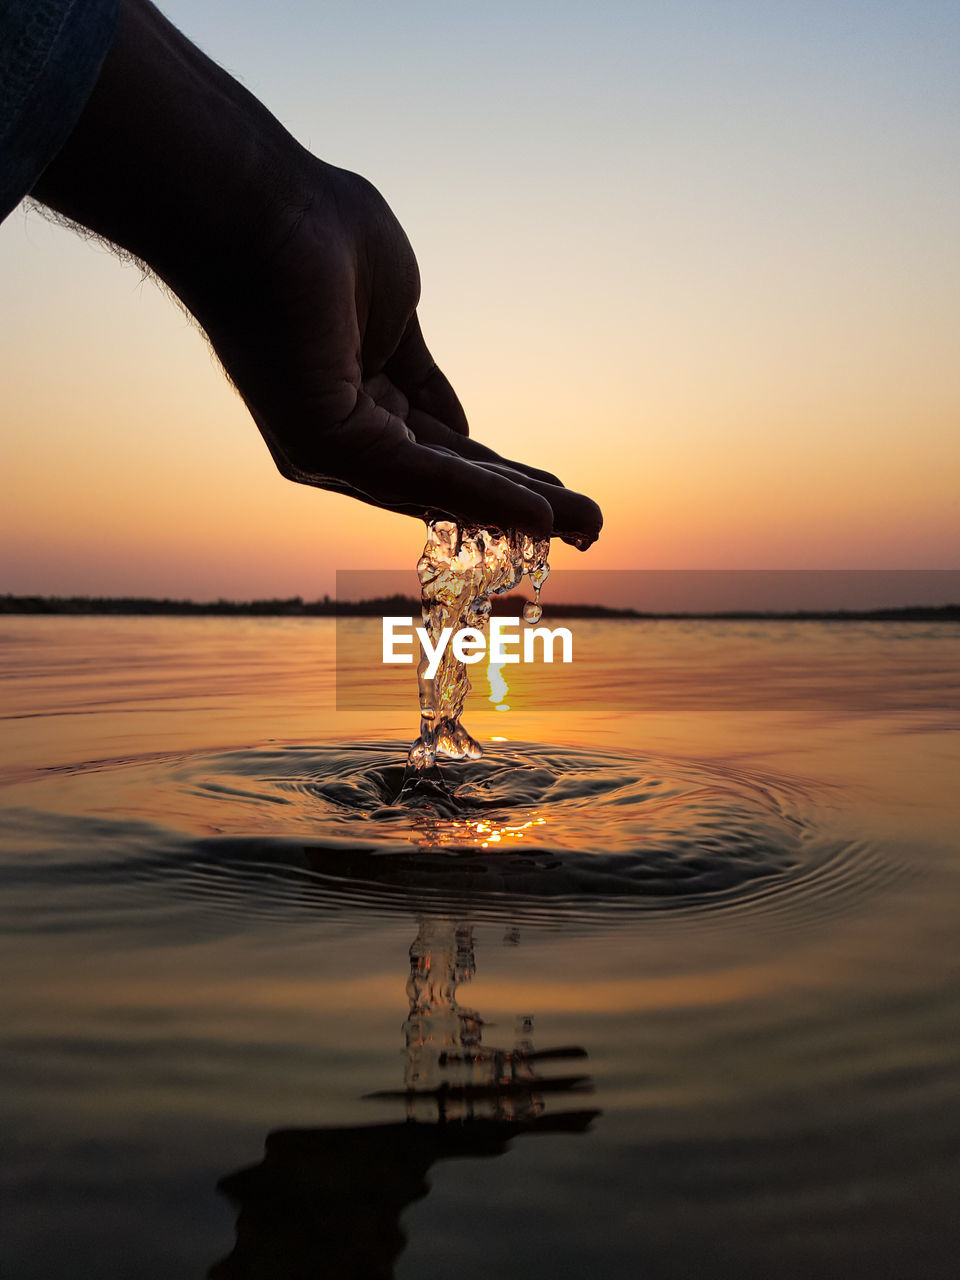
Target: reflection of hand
302,278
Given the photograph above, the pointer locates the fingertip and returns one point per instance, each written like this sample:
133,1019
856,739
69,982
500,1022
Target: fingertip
589,522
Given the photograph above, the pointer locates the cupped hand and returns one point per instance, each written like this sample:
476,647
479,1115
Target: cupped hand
301,277
320,335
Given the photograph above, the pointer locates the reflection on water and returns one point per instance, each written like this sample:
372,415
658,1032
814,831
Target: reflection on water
328,1201
447,1063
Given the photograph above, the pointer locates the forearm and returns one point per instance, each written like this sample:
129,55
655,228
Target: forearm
300,275
172,159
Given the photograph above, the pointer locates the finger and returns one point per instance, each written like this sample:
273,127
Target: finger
413,369
371,455
577,521
429,431
440,482
576,517
385,394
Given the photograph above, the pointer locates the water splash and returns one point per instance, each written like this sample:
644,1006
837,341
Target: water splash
461,568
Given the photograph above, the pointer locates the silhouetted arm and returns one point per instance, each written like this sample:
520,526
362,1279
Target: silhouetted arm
301,277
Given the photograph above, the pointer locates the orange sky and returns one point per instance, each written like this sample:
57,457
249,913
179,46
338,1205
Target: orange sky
717,293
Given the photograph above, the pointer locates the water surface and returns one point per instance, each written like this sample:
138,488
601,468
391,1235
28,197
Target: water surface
664,993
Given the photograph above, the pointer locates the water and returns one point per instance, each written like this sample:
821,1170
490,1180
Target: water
655,994
460,568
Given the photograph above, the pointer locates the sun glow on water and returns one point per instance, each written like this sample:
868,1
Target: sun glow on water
498,686
482,834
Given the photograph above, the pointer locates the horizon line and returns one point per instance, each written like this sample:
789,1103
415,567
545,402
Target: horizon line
327,606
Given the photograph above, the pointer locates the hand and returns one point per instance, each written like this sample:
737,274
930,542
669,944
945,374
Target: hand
302,279
324,345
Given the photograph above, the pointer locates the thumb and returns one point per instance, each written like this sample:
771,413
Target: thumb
413,369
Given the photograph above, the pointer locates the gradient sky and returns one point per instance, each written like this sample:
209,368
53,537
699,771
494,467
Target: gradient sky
701,259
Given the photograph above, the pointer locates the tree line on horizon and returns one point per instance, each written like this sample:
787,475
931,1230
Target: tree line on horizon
404,606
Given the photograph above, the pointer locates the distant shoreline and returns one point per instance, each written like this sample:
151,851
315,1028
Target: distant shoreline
296,607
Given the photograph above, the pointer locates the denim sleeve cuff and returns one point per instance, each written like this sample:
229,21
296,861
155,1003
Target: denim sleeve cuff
51,52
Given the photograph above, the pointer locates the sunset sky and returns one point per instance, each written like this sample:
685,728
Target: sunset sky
700,259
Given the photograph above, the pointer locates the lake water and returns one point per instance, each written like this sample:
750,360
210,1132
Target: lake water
666,991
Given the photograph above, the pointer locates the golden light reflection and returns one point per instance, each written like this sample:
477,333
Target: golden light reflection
446,832
498,688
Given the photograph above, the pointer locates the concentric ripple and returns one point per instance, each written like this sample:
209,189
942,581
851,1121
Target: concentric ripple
605,831
550,831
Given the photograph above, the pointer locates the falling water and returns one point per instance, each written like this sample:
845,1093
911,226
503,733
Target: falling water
461,567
